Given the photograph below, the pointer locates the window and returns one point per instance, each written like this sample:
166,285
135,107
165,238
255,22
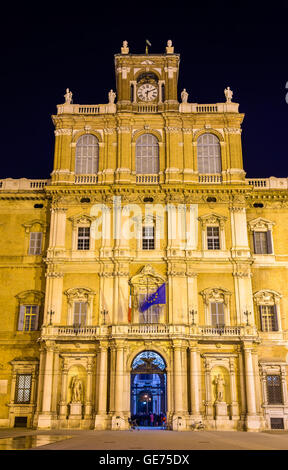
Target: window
217,314
35,243
147,154
268,316
213,238
152,314
87,155
274,389
83,242
277,423
80,313
262,242
148,241
23,388
208,154
28,318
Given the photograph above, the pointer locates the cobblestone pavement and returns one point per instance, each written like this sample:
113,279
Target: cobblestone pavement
11,439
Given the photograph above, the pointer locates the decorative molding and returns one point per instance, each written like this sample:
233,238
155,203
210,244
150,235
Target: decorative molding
267,297
214,294
58,132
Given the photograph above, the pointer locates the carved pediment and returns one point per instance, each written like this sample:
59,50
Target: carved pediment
147,278
214,294
260,224
79,294
267,297
212,219
81,219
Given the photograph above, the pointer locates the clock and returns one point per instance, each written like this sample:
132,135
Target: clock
147,92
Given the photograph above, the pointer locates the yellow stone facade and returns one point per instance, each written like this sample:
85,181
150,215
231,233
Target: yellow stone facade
219,245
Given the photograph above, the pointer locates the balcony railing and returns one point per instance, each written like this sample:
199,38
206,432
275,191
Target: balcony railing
149,328
147,179
220,331
268,183
212,178
11,184
86,179
147,108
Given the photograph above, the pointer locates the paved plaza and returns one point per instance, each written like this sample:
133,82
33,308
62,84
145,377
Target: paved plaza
19,439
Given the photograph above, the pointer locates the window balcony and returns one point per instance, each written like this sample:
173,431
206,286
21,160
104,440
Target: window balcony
210,178
147,179
86,179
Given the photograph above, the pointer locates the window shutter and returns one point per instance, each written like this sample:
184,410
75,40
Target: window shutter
21,317
255,242
37,317
275,318
269,242
220,307
261,321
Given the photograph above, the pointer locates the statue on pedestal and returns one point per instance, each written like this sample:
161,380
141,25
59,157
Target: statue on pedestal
76,386
228,93
169,48
125,48
111,96
68,96
184,96
219,381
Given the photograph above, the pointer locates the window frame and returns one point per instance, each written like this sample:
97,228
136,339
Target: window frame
17,389
79,159
213,158
155,155
35,250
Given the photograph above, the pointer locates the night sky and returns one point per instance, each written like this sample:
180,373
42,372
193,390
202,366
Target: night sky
49,47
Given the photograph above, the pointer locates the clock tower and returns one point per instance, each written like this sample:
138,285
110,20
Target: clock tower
147,82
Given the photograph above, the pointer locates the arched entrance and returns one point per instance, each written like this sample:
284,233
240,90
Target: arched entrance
149,390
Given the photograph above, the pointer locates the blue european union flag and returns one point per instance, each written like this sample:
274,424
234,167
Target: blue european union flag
158,297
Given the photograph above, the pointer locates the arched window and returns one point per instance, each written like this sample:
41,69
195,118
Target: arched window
147,154
208,154
87,155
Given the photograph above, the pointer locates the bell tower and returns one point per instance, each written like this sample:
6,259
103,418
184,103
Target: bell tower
147,81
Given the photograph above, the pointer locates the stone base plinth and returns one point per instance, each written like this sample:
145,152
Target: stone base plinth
253,423
102,422
44,421
179,422
75,410
119,423
221,410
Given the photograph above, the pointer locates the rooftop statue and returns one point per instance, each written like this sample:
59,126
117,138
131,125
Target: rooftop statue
228,93
184,96
111,96
68,96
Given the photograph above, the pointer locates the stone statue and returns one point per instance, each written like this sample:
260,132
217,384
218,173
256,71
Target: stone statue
228,93
76,385
169,48
125,48
68,96
219,388
184,96
111,96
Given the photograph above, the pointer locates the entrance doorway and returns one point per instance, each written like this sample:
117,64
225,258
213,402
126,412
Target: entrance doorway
149,390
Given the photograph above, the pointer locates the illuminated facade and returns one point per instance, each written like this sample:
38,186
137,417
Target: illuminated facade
146,191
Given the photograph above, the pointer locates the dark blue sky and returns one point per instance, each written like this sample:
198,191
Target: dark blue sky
47,48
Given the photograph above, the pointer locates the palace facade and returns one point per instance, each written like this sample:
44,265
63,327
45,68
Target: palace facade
146,192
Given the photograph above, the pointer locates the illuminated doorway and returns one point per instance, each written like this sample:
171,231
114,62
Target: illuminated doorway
149,390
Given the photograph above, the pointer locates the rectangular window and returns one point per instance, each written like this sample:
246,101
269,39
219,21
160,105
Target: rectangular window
268,317
28,318
262,242
217,314
277,423
35,243
152,314
83,242
213,238
23,388
80,313
274,390
148,242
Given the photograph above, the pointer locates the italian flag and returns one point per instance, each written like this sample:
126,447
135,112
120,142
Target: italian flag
130,307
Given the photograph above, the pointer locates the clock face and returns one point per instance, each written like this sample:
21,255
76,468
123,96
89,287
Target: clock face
147,92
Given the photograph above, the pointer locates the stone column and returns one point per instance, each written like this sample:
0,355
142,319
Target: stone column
45,417
208,388
63,403
195,379
233,390
180,411
100,419
88,401
252,420
118,421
